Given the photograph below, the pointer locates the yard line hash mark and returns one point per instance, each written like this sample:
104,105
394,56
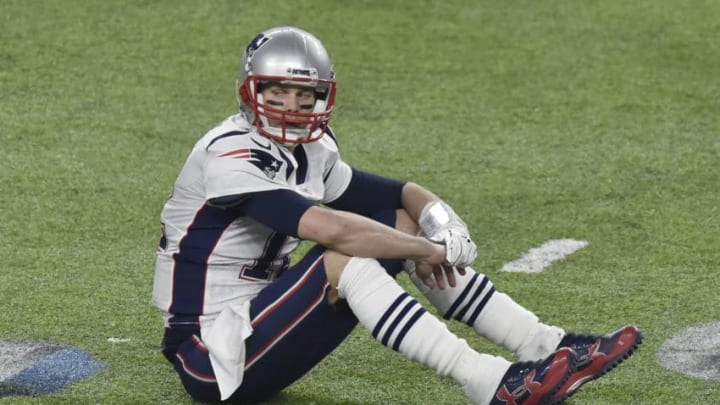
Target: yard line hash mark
536,260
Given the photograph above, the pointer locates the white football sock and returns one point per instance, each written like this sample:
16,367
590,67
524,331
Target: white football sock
492,314
398,321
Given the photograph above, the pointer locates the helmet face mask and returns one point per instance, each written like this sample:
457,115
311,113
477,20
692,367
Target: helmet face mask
287,56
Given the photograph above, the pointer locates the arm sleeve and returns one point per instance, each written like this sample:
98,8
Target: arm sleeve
368,193
279,210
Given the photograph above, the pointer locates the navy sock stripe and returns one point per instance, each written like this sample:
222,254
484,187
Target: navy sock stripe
406,328
481,306
386,315
476,295
462,296
398,318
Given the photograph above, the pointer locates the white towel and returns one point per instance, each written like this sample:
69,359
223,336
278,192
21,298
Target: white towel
225,341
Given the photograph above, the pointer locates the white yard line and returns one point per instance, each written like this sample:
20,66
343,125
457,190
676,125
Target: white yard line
536,260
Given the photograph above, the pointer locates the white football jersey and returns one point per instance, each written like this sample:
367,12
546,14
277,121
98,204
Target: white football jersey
209,256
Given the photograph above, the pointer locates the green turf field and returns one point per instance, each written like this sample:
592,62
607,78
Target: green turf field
536,120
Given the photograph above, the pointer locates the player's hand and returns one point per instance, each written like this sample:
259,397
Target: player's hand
460,250
432,275
430,269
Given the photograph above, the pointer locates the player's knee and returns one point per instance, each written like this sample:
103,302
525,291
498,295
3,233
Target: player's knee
404,223
334,262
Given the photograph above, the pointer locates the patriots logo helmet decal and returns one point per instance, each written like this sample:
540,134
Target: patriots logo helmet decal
263,160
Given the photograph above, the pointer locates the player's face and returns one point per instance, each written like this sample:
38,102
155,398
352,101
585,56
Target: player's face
289,99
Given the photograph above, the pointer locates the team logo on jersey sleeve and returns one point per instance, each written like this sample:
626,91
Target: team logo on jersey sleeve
263,160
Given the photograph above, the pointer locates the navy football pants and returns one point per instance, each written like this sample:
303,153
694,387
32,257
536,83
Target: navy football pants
294,328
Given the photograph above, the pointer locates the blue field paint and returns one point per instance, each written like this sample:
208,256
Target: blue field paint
33,369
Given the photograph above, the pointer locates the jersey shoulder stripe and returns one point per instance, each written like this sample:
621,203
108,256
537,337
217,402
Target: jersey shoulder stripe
225,135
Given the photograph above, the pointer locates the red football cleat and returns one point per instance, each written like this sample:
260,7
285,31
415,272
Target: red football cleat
597,355
535,383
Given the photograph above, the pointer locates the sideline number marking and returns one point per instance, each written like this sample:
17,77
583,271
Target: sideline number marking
536,260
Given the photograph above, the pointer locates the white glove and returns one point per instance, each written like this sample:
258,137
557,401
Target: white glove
460,250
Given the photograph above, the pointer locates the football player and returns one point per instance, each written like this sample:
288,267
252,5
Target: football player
241,323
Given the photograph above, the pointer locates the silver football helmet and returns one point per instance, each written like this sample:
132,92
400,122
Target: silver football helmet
287,55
